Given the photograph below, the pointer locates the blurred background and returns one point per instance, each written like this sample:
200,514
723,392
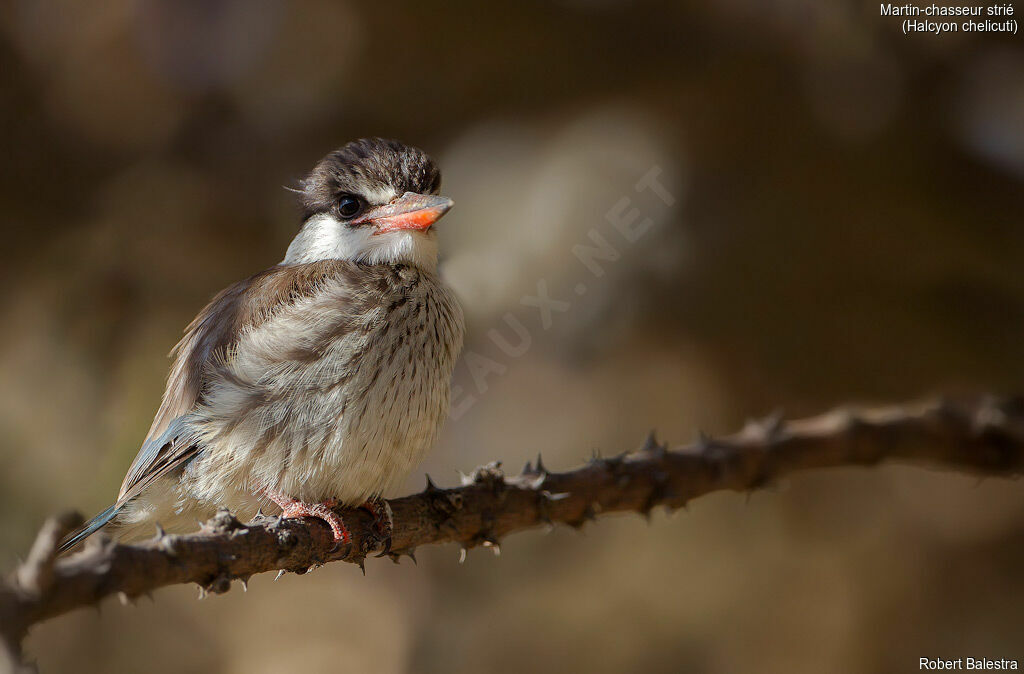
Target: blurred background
837,220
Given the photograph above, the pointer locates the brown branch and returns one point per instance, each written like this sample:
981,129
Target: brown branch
984,436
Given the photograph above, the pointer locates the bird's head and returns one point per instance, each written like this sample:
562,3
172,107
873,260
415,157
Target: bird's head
371,201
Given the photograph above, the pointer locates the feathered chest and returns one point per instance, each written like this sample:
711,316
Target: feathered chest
386,349
351,377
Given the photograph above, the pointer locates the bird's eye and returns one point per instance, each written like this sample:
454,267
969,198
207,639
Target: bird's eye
349,207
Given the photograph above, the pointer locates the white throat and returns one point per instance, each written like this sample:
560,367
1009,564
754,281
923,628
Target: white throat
323,237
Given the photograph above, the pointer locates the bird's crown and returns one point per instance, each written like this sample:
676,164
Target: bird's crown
369,168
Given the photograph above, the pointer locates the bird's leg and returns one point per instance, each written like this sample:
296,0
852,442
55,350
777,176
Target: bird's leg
382,521
294,508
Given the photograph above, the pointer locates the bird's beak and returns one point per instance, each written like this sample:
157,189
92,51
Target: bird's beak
409,211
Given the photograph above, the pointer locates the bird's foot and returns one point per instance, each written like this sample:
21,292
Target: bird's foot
383,525
294,508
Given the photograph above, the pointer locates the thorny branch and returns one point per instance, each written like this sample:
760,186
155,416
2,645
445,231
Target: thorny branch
984,436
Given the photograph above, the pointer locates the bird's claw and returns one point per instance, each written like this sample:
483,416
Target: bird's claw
294,508
383,524
385,549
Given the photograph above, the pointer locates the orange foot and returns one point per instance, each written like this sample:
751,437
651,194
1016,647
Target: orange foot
294,508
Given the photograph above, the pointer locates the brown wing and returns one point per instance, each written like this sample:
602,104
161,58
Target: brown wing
210,336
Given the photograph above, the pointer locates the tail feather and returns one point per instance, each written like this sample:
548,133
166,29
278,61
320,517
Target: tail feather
89,528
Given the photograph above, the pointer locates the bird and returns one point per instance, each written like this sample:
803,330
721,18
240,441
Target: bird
320,381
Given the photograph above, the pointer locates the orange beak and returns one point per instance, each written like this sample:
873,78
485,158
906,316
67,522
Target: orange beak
409,211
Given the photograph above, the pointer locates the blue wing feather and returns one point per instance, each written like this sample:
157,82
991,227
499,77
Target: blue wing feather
89,528
152,463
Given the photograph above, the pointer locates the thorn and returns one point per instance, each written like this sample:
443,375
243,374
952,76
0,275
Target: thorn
540,465
362,565
202,593
245,583
652,447
751,426
847,419
465,479
167,544
489,541
988,417
259,513
219,585
774,423
123,598
462,555
527,469
764,429
488,475
537,482
431,487
412,556
395,557
279,574
160,533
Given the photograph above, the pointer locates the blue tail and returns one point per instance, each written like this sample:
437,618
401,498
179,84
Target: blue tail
89,528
